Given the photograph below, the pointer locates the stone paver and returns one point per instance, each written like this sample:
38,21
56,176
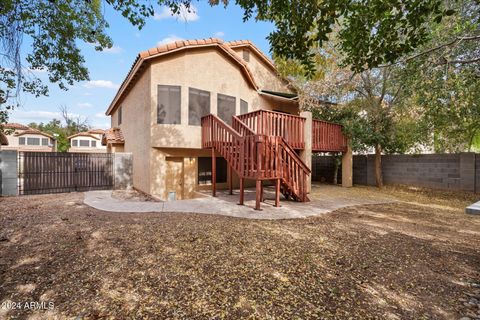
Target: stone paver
225,204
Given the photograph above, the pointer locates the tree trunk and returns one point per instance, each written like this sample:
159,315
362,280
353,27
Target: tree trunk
378,166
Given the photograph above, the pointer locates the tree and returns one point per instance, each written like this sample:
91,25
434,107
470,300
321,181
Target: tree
54,28
388,31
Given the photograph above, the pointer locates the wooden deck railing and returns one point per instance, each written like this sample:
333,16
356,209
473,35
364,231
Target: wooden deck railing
271,123
327,137
257,156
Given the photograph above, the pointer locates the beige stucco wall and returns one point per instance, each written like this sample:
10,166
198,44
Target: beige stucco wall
135,127
211,71
151,143
98,148
265,76
13,143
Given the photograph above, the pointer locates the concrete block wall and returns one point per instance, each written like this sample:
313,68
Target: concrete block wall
438,171
8,173
322,169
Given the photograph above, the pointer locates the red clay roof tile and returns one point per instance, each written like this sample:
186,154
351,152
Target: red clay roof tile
186,44
113,135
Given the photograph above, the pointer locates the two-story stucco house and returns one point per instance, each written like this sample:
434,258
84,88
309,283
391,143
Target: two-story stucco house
88,141
24,138
159,109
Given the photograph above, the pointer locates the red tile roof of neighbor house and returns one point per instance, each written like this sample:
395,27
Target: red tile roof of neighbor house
224,47
96,131
15,126
34,131
113,135
83,134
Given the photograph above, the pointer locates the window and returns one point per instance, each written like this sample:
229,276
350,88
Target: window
21,141
84,143
120,115
33,141
74,143
198,105
205,170
44,142
93,143
246,55
243,106
168,107
225,107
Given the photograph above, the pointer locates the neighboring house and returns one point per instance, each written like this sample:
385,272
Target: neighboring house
157,111
89,141
23,138
113,140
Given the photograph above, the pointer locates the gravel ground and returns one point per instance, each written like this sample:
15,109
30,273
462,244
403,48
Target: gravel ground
418,259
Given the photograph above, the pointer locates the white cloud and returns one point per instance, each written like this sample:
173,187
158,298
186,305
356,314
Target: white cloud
26,117
101,115
114,49
169,39
184,14
84,105
219,34
101,84
87,94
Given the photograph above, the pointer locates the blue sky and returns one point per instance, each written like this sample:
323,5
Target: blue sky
108,69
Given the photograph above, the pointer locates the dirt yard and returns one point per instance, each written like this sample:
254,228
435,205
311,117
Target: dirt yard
418,259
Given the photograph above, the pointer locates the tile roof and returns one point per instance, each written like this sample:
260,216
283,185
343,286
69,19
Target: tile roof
15,126
34,131
3,139
83,134
254,48
175,47
113,135
96,131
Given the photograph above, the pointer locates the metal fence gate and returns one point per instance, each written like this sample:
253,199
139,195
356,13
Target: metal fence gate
55,172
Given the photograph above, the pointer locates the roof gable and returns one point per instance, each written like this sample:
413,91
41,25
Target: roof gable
173,47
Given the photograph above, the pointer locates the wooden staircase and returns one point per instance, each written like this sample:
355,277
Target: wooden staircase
260,152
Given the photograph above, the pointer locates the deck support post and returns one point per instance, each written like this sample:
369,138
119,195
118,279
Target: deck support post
306,153
258,194
277,193
230,181
214,174
347,166
242,190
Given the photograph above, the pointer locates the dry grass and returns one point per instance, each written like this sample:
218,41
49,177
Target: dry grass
397,261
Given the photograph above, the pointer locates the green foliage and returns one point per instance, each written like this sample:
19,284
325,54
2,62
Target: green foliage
55,28
370,32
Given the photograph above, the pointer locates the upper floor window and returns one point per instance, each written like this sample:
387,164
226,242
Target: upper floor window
21,140
84,143
93,143
119,117
33,141
74,143
225,107
243,106
44,142
168,105
246,55
198,105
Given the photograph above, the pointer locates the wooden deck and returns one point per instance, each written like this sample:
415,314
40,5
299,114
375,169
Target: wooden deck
262,145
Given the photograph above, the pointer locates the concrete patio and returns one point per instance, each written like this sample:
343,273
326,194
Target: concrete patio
324,199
